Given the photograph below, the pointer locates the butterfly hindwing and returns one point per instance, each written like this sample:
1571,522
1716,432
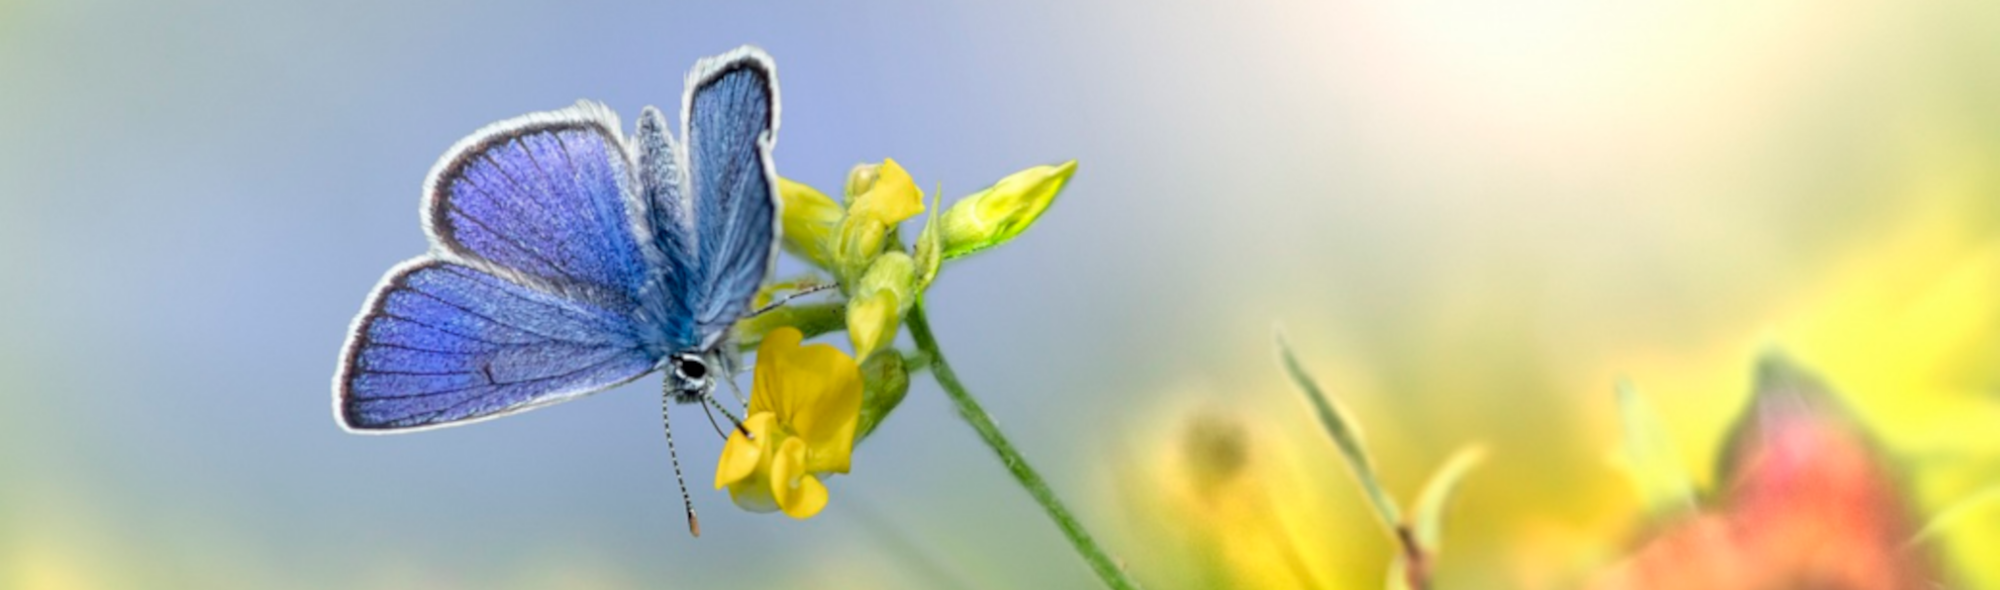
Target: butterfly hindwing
441,343
732,124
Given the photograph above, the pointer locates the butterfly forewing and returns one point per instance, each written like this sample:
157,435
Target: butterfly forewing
732,124
551,197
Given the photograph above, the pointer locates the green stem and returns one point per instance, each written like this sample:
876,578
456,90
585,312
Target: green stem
968,408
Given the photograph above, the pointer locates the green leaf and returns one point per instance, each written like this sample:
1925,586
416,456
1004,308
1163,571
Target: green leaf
1428,518
1346,435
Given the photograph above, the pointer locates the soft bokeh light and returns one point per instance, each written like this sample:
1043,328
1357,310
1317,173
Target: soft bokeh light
1473,220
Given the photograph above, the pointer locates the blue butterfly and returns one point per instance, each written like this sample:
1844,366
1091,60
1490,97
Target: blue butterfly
567,259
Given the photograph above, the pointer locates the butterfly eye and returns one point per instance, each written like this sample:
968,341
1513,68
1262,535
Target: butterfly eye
690,367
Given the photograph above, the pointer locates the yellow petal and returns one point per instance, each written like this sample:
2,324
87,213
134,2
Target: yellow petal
872,321
773,359
808,222
753,494
823,405
811,498
892,198
740,456
800,494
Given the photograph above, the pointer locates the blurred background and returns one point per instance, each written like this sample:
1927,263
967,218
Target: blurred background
1471,218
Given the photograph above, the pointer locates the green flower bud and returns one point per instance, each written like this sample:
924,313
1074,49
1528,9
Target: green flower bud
881,298
859,180
891,198
930,250
993,216
885,378
872,321
809,221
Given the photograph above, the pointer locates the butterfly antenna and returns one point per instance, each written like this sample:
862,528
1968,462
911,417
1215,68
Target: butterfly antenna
694,524
781,301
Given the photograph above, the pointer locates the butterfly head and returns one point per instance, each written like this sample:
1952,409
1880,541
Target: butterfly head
692,374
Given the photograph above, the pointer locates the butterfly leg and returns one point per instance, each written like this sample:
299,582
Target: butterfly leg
732,417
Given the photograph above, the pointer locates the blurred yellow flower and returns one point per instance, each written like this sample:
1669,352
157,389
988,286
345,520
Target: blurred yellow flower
1808,501
1221,504
804,406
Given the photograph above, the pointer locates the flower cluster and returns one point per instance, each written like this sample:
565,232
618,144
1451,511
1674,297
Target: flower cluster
811,404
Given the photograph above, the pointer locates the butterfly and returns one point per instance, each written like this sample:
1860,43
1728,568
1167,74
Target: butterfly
567,259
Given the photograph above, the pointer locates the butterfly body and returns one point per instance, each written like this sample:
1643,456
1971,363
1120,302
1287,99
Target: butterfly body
567,259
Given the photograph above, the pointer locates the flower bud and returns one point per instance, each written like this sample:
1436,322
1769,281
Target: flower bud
889,199
859,180
884,293
993,216
930,250
809,220
885,378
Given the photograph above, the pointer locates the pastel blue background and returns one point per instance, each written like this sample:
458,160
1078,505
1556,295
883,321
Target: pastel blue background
199,194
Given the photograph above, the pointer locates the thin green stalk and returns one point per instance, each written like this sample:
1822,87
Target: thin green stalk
1346,436
968,408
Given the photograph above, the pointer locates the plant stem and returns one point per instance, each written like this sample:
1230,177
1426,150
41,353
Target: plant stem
969,409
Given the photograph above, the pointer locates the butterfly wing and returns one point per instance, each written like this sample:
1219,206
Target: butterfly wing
441,343
534,290
549,199
732,123
670,219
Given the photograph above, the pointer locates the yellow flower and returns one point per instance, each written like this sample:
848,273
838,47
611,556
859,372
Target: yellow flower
804,406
